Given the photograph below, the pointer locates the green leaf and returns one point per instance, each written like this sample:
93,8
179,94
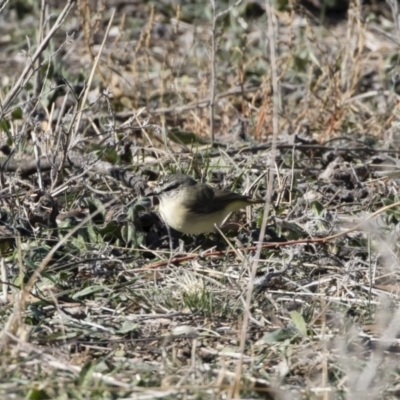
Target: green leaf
97,205
317,207
299,322
184,137
127,327
110,231
128,233
80,242
17,113
19,279
37,394
5,125
88,290
230,349
280,335
86,375
6,246
61,336
93,235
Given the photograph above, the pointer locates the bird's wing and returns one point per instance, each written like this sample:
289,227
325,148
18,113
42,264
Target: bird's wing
231,200
214,200
200,203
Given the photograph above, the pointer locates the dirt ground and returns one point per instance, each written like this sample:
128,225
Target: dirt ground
296,103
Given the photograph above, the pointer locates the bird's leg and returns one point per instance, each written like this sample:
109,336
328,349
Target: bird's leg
219,242
195,241
199,241
171,246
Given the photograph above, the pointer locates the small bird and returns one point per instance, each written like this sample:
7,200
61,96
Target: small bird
193,207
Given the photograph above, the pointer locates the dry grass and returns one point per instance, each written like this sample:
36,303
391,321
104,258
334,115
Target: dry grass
301,298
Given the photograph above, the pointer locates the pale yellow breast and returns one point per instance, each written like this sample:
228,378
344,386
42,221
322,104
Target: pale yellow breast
177,217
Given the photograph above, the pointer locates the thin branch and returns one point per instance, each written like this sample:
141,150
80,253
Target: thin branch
3,5
213,78
213,71
96,62
234,389
29,69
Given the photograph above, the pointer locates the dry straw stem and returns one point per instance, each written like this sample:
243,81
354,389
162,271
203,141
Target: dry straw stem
90,23
213,71
28,71
203,103
62,366
350,68
92,72
272,29
121,291
37,87
4,280
388,338
213,79
12,324
3,5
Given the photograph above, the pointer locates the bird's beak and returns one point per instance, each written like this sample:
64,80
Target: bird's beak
151,191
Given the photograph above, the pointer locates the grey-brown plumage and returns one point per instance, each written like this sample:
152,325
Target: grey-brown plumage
193,207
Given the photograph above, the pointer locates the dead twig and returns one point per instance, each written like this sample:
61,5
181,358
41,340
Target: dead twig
29,69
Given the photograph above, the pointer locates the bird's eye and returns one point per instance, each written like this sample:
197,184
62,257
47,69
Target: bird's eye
169,186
